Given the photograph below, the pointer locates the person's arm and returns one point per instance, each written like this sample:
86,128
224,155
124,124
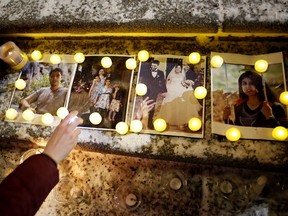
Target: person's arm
91,88
25,189
26,102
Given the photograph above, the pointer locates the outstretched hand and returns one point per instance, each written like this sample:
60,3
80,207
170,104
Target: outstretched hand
64,138
145,107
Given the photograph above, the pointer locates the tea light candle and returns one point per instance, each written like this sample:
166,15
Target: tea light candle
131,199
136,126
261,65
47,119
217,61
28,115
79,57
233,134
226,187
20,84
194,58
175,183
62,112
284,98
131,64
36,55
122,128
143,55
11,113
55,59
95,118
141,89
280,133
106,62
160,125
194,124
200,92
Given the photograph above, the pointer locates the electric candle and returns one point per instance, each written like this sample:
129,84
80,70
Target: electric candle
55,59
160,124
28,115
217,61
62,112
143,55
280,133
95,118
106,62
47,119
36,55
141,89
194,58
233,134
79,57
122,128
136,126
175,183
131,200
20,84
11,113
200,92
194,124
261,66
131,64
284,98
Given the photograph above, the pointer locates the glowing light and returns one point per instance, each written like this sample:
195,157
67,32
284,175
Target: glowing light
79,57
141,89
122,128
47,119
62,112
28,115
261,66
280,133
136,126
194,58
284,98
20,84
194,124
55,59
175,183
143,55
217,61
36,55
11,113
106,62
131,64
95,118
200,92
233,134
160,125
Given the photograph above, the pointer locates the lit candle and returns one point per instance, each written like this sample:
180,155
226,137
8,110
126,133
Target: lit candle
284,98
95,118
141,89
233,134
143,55
136,126
47,119
79,57
280,133
194,58
28,115
55,59
217,61
11,113
20,84
62,112
175,183
122,128
131,200
106,62
36,55
194,124
160,124
200,92
261,66
131,64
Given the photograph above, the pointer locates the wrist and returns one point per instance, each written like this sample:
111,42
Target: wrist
51,158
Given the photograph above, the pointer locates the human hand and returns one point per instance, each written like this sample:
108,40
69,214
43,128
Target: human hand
267,110
226,112
145,107
64,138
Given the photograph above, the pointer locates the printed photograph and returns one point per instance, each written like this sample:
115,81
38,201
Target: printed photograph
170,82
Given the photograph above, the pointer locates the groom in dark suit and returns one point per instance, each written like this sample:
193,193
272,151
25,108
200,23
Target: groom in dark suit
155,81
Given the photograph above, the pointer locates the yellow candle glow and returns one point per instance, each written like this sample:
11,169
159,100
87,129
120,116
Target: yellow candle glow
284,98
11,113
261,66
217,61
136,126
62,112
122,128
20,84
143,55
233,134
131,64
55,59
194,58
194,124
47,119
141,89
200,92
95,118
36,55
160,125
280,133
106,62
79,57
28,115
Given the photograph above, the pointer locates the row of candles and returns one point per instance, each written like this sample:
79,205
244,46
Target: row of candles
10,56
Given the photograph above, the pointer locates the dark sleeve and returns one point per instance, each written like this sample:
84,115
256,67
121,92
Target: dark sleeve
280,114
25,189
